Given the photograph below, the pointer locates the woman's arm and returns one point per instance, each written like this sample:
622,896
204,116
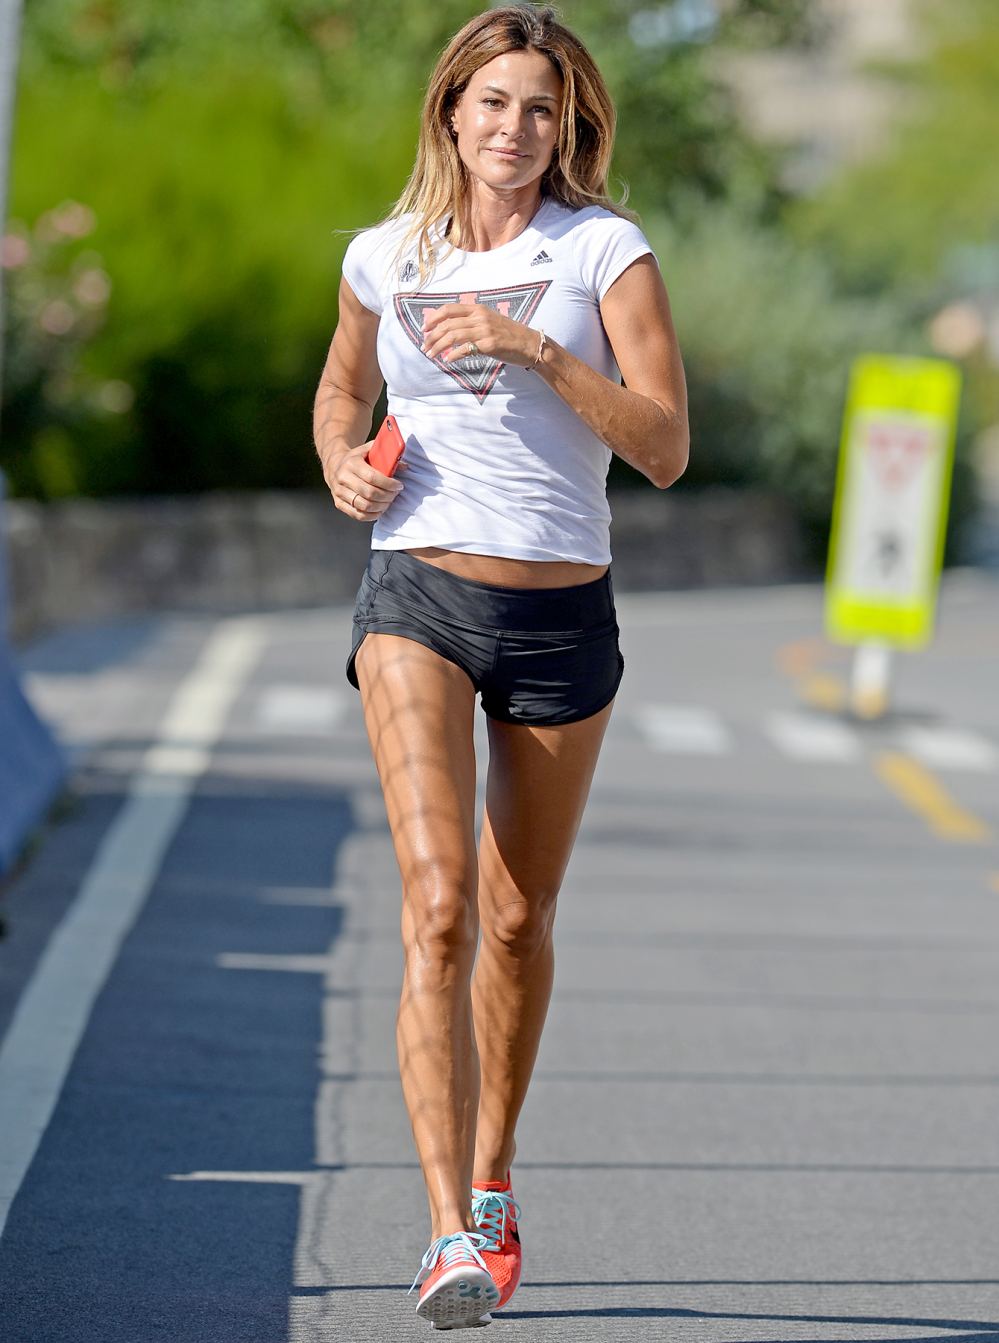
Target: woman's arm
350,385
645,421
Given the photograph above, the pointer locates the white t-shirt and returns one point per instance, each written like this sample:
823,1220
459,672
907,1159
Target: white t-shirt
497,463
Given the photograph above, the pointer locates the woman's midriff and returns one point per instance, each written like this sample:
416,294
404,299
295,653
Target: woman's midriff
508,573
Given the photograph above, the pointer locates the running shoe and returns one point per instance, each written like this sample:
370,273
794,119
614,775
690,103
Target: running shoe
457,1291
496,1214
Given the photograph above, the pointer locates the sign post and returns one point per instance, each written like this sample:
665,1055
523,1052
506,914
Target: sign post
890,514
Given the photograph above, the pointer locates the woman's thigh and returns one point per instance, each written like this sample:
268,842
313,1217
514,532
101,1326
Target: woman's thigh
418,710
538,783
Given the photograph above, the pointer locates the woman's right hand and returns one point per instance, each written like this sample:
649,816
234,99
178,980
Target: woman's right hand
357,488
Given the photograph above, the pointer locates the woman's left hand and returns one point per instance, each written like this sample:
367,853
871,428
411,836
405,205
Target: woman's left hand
450,329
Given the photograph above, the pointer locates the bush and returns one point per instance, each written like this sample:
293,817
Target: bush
767,342
56,300
217,206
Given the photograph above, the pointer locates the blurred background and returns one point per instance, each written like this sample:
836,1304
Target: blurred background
778,941
817,176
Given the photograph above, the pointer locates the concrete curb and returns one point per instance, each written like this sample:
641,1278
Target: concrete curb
32,765
96,559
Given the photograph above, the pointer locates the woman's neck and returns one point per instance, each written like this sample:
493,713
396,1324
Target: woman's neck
490,221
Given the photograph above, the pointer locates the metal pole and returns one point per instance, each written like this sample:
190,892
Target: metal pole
10,41
870,680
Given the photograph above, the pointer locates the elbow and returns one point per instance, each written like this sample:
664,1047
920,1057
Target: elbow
671,464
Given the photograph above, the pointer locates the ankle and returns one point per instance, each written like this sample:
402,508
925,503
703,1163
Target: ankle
451,1225
496,1172
493,1167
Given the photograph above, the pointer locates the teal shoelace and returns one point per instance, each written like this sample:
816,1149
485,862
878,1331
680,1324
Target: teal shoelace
456,1248
493,1210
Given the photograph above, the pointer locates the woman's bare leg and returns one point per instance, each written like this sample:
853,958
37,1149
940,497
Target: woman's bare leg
418,710
539,780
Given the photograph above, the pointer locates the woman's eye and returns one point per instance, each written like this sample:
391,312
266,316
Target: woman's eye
491,102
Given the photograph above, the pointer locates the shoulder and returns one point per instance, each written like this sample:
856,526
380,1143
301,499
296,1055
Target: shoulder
603,243
370,260
592,224
379,238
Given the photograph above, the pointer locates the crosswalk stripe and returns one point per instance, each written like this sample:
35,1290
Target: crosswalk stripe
299,708
683,729
691,729
949,748
805,736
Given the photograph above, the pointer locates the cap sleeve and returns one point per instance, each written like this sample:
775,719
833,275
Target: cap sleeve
605,246
360,271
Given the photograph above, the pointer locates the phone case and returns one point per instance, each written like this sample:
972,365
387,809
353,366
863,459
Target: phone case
386,451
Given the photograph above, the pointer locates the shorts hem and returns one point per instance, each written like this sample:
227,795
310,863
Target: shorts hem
401,632
563,719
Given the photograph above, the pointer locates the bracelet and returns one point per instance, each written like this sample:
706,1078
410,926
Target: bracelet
541,350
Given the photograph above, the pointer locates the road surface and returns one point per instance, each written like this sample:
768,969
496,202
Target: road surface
767,1102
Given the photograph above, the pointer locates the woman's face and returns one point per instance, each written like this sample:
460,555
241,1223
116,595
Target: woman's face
507,120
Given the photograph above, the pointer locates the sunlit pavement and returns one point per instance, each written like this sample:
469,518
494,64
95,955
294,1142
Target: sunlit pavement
767,1102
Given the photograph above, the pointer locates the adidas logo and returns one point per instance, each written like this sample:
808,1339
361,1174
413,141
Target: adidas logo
408,272
541,259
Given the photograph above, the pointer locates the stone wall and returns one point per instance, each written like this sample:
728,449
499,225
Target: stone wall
90,559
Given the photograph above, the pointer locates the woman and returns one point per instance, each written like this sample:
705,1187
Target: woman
502,302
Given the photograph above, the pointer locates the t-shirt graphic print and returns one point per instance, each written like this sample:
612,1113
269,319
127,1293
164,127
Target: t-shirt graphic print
476,373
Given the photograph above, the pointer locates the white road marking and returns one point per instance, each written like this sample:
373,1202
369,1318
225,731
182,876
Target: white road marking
949,748
52,1014
299,709
683,729
309,965
251,1176
804,736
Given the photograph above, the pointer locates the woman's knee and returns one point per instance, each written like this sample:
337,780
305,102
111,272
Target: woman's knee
440,918
520,926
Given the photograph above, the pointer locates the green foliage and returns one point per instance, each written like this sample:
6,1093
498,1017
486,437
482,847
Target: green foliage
221,147
225,148
56,300
900,217
921,218
768,342
217,206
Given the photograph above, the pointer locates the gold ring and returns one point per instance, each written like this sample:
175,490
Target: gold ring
353,502
472,348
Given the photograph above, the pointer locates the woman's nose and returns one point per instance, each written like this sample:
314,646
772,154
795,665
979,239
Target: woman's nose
514,121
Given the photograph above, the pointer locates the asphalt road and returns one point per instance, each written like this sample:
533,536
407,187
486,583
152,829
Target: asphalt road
767,1103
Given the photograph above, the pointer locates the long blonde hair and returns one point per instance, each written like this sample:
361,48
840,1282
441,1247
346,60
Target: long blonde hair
439,186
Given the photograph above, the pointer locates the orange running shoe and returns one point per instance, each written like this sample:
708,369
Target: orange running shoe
457,1290
496,1214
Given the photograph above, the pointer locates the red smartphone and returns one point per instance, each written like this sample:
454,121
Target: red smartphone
386,451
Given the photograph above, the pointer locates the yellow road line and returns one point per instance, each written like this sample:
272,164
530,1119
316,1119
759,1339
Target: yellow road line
822,691
924,793
799,657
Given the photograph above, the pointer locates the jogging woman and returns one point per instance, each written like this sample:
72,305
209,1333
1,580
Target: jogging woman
502,302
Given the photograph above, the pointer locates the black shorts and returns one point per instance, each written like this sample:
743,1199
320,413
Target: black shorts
536,655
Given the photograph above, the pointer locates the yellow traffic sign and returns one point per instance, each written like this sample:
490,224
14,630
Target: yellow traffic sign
890,508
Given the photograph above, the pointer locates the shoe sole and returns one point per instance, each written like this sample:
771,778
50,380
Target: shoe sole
460,1299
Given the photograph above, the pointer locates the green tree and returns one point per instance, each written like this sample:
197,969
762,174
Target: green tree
921,218
909,214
